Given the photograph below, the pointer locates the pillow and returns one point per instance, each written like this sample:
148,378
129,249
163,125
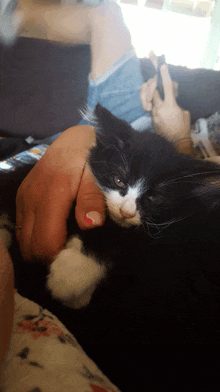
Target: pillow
42,85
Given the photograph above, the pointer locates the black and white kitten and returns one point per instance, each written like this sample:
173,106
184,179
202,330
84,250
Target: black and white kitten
163,214
147,187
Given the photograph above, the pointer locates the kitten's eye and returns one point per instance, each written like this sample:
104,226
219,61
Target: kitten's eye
118,182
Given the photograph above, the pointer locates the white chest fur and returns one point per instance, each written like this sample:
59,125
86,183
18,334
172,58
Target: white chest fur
74,276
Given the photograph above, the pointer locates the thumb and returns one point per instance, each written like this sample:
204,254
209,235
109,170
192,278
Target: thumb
187,116
90,203
147,92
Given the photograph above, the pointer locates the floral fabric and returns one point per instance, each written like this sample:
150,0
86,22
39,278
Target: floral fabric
45,357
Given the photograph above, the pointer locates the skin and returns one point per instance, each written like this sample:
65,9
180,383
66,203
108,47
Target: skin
6,300
46,195
169,119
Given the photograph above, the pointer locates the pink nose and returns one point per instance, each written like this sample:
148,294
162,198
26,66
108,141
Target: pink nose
126,215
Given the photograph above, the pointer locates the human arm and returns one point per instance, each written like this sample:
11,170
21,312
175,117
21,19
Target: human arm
45,197
6,300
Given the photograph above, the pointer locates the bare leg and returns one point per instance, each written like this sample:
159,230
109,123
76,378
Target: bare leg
102,27
110,37
65,24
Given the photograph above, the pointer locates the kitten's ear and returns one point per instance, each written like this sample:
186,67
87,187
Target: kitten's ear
110,129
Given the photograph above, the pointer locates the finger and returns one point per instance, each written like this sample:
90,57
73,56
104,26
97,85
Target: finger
152,56
187,118
175,89
157,101
187,114
147,92
146,105
154,114
90,204
167,85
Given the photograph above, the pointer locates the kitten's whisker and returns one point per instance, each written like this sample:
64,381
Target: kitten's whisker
148,230
190,176
149,224
160,227
88,114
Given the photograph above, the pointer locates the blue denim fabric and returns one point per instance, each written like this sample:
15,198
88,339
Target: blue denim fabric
118,90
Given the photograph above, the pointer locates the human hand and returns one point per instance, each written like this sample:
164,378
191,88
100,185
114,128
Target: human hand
169,119
45,197
148,89
147,92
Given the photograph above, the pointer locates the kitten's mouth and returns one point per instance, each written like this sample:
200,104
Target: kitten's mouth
125,221
126,215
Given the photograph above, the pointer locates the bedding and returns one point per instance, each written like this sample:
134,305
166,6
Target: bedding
45,357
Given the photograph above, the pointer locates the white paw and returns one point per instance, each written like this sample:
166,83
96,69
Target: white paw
73,276
4,232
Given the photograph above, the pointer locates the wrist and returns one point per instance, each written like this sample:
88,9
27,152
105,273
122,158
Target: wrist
183,140
184,145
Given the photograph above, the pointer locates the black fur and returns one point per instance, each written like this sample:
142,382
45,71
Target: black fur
164,276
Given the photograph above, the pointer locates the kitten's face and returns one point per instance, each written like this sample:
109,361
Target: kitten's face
122,201
142,177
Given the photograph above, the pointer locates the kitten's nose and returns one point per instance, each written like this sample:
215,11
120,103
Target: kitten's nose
128,209
126,215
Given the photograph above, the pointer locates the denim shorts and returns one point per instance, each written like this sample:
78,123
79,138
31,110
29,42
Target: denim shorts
118,90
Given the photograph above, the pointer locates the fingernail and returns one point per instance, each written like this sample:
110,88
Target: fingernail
93,218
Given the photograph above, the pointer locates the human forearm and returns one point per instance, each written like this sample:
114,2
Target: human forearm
61,177
6,299
184,146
